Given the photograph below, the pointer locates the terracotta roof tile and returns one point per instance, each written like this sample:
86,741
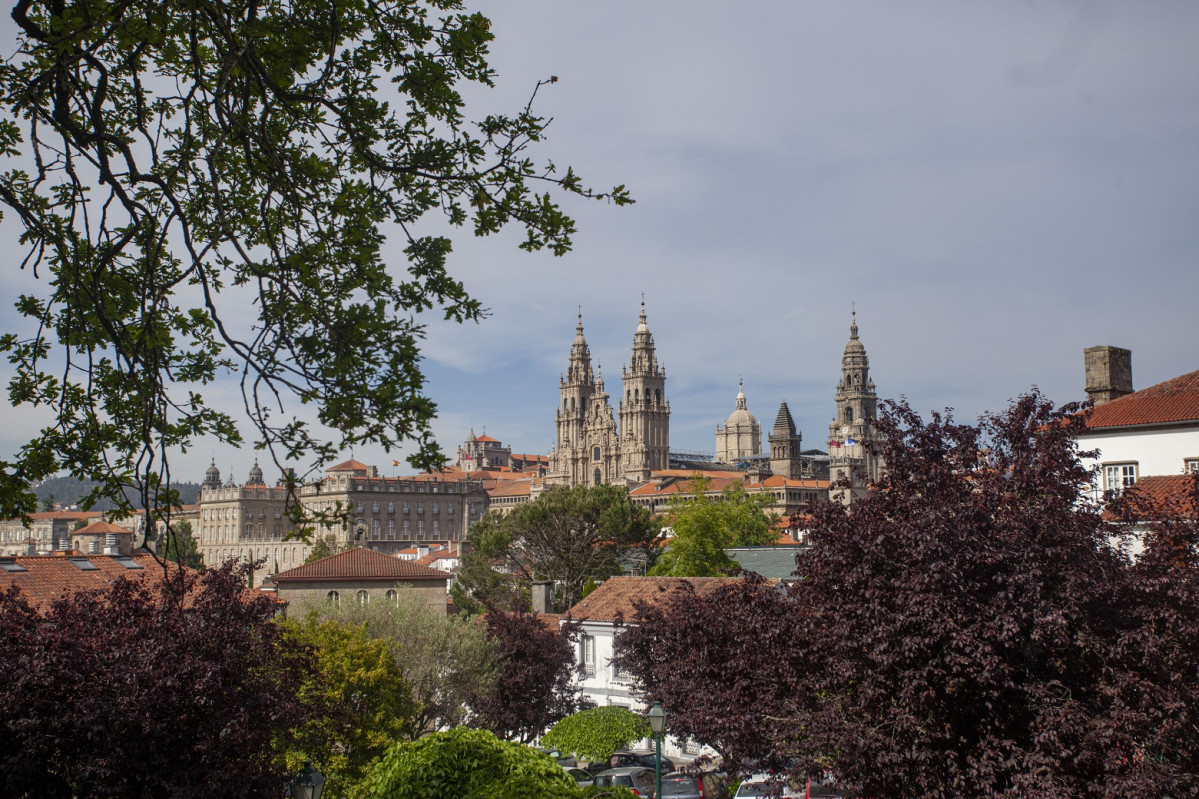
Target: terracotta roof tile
47,577
488,438
511,489
1174,400
349,466
1160,491
617,596
360,564
102,527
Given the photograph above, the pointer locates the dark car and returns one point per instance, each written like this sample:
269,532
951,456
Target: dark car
646,759
681,785
639,779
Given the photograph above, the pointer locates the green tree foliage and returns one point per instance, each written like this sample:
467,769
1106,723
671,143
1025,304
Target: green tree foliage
181,546
449,662
704,527
119,694
323,547
172,166
597,732
566,536
970,628
359,701
470,764
48,503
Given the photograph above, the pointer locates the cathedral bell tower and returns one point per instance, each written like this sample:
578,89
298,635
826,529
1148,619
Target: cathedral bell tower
577,389
644,410
856,406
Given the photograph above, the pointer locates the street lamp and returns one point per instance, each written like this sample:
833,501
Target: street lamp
308,784
657,726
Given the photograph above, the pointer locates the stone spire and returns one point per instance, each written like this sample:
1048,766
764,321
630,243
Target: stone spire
786,444
850,430
644,410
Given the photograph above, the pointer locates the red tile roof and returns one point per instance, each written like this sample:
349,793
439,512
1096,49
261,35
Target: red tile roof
102,527
360,564
617,596
511,489
1175,400
349,466
1161,491
69,515
486,437
47,577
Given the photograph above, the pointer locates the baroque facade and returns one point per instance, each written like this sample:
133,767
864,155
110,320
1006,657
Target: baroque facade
593,446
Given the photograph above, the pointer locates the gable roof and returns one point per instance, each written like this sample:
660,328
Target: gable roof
360,564
1175,400
617,596
44,578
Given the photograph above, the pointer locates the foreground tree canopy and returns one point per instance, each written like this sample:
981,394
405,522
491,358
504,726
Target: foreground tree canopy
597,732
121,694
473,764
179,163
970,628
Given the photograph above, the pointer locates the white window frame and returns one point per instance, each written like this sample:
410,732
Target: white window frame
1119,476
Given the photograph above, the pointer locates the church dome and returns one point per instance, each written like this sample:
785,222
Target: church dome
255,474
212,477
741,417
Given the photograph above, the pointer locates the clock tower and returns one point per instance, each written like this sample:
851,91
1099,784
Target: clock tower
850,430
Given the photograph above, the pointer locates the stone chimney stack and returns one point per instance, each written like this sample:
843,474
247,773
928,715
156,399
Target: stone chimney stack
1108,373
543,597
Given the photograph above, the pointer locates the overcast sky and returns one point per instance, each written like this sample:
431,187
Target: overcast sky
994,186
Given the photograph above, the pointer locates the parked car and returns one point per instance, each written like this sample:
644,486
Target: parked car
583,777
681,785
761,785
639,779
646,759
562,758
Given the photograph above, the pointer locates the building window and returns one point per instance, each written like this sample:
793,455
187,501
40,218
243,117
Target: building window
1190,465
598,477
588,653
393,596
420,507
333,597
449,509
595,453
1118,476
391,529
363,598
849,414
436,529
405,506
359,507
407,529
375,530
249,530
375,506
391,507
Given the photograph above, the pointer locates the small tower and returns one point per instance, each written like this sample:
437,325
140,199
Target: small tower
212,477
785,446
741,436
644,410
856,405
1108,372
255,478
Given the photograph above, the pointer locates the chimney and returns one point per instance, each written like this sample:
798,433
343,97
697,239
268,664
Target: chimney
543,597
1108,373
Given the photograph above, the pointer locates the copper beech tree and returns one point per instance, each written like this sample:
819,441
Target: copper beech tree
972,628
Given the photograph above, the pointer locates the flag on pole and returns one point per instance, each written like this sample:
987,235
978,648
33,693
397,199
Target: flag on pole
832,442
395,463
849,442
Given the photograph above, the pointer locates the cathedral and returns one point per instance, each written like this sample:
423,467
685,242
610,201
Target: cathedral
848,432
594,446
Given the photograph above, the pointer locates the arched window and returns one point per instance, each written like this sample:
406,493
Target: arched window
849,414
363,597
595,454
393,596
333,597
599,478
636,395
658,396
